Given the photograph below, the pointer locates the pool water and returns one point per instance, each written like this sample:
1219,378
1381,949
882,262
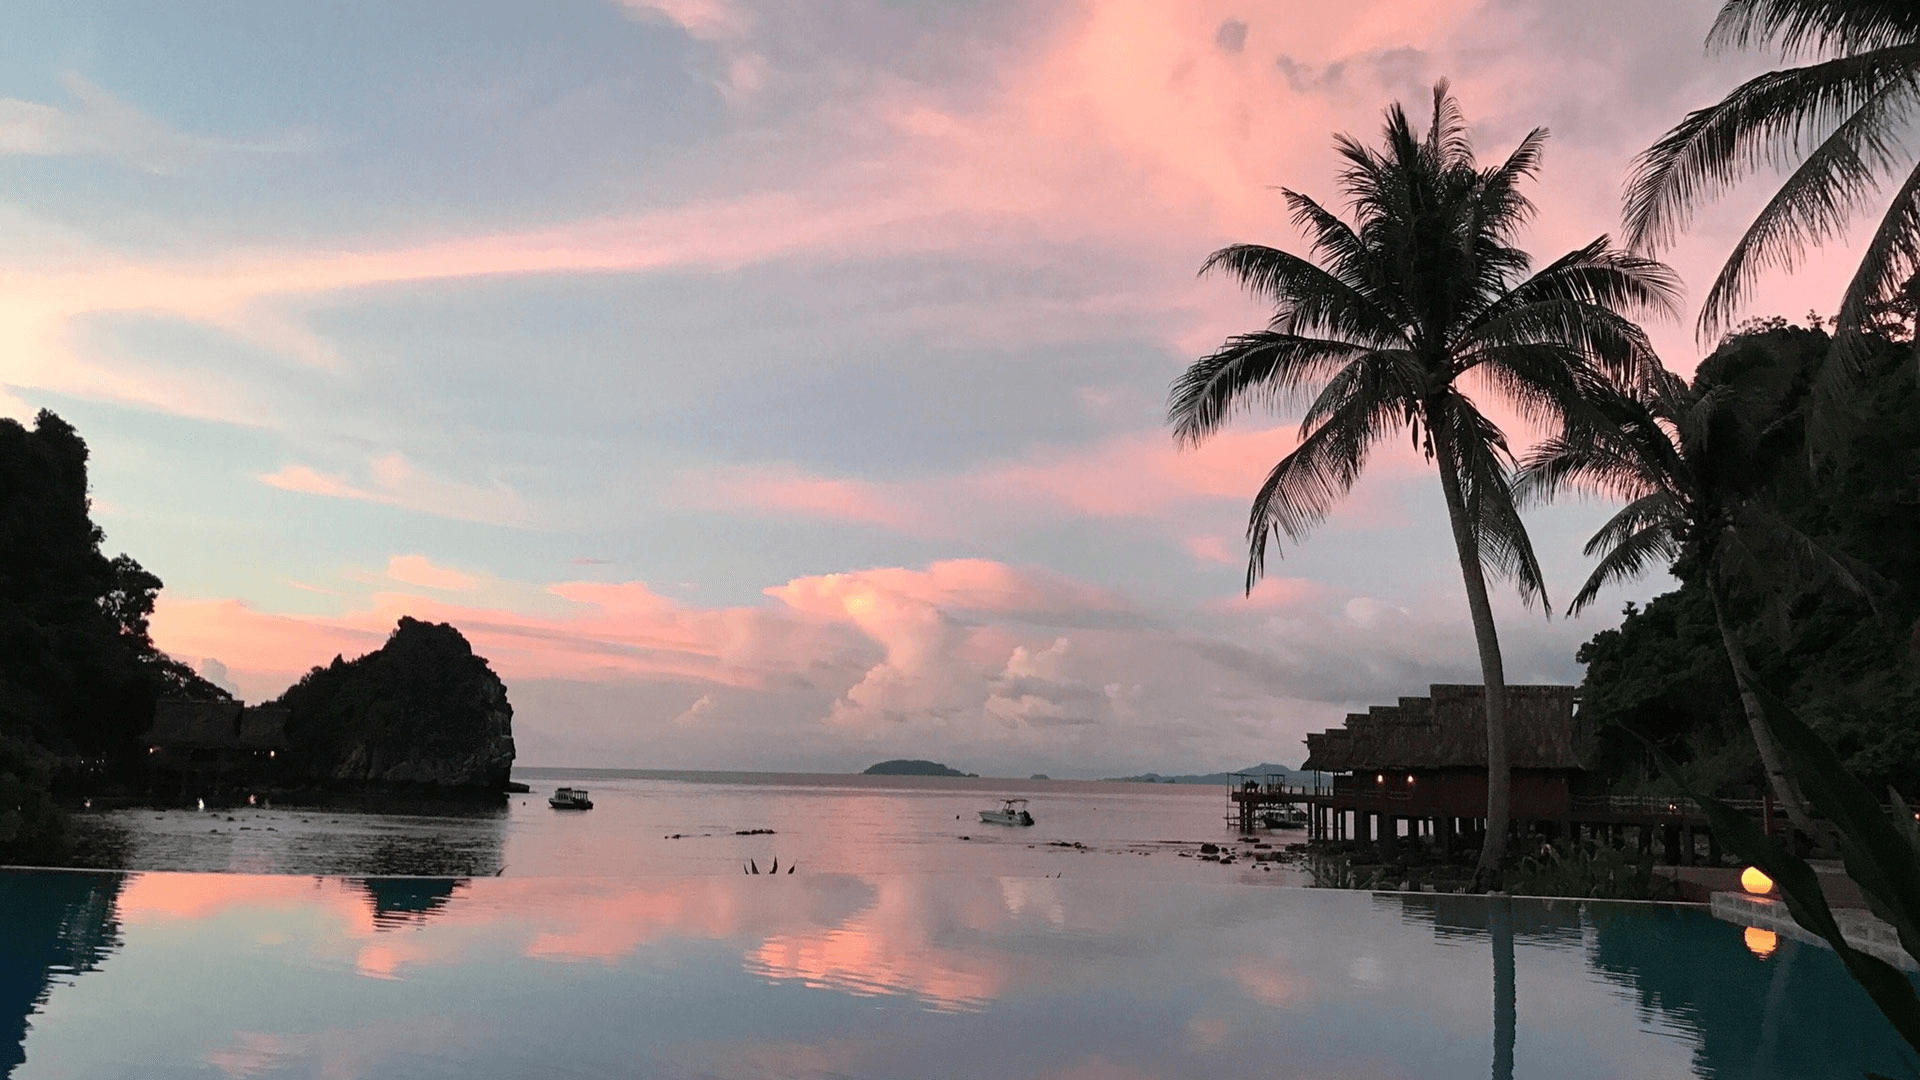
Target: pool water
823,975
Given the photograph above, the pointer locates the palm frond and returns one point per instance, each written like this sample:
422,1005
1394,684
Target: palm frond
1890,260
1264,368
1303,488
1817,200
1626,561
1815,26
1306,298
1764,121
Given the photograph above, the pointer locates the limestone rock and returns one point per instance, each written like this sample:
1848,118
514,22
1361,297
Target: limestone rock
421,711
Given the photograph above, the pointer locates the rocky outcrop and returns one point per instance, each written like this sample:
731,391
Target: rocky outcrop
420,712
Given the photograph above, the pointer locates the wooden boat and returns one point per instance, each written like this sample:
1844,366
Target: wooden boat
570,798
1011,812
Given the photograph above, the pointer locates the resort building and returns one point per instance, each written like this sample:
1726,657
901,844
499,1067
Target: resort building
218,743
1419,768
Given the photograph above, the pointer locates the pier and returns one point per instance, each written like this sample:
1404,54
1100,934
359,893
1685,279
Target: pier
1381,815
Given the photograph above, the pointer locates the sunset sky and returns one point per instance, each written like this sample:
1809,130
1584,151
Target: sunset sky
775,384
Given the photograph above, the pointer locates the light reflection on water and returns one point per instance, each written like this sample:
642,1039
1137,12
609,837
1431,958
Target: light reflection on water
890,976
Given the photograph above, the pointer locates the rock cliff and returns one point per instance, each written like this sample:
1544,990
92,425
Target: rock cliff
421,711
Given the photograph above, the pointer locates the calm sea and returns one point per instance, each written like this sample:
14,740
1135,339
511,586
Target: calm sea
701,823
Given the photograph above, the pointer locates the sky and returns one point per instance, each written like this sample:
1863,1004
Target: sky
774,385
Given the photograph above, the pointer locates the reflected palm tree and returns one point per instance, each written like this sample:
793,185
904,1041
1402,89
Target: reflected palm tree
51,924
1506,1005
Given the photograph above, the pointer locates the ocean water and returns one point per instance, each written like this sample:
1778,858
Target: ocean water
825,824
889,977
911,941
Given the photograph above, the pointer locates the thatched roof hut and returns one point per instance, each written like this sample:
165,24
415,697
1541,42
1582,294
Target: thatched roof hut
217,725
1448,730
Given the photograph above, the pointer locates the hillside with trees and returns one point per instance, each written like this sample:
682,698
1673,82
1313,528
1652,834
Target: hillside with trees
79,674
1849,481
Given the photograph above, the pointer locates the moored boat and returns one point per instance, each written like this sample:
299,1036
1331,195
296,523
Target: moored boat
1011,812
570,798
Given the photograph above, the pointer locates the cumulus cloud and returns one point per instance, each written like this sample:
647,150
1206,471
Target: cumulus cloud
974,659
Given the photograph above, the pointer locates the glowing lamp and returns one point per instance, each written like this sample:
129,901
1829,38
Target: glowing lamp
1755,881
1409,778
1761,943
1380,778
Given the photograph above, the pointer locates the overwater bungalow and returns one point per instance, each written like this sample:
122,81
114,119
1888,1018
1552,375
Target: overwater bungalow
1421,765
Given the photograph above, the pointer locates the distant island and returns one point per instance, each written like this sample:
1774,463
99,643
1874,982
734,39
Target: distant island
905,767
1260,771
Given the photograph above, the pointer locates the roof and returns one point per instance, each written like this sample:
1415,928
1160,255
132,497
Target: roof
217,725
1448,730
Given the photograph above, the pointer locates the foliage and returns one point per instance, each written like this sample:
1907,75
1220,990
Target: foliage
79,674
1837,124
33,830
1599,873
1845,665
1881,853
1330,871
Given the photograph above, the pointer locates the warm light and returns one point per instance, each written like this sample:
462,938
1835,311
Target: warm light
1755,882
1409,778
1761,943
1380,779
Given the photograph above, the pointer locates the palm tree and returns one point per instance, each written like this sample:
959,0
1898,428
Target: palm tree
1844,118
1684,460
1383,331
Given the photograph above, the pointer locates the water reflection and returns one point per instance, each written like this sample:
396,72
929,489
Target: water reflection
400,902
843,975
51,925
1792,1013
1788,1010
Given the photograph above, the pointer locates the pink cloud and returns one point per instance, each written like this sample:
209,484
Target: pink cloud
395,481
1272,594
419,570
1139,476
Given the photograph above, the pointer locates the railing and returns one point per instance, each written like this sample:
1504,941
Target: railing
1660,805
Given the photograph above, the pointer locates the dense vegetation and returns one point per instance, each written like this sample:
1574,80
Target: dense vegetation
79,674
78,671
1842,663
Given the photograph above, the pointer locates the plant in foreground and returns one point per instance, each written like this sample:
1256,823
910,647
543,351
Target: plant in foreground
1881,853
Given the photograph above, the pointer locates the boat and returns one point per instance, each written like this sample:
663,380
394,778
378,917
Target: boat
570,798
1290,819
1011,812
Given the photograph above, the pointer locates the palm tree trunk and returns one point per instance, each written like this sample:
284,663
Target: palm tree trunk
1492,673
1784,791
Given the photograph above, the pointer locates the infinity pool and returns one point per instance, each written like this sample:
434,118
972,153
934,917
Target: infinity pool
891,977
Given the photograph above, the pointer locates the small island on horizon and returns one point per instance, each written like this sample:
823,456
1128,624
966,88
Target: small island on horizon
913,767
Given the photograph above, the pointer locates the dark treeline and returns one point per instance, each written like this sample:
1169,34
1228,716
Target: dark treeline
1843,662
79,674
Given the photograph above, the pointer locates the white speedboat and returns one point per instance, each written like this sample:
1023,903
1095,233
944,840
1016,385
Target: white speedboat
1011,812
570,798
